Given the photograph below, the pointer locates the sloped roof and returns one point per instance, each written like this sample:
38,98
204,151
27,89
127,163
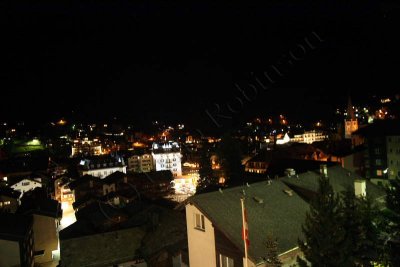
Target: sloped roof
14,226
114,177
280,215
380,128
9,192
340,179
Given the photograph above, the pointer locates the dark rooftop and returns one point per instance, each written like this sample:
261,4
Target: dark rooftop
340,179
9,192
14,226
380,128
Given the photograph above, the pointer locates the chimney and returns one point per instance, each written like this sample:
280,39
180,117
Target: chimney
360,188
323,168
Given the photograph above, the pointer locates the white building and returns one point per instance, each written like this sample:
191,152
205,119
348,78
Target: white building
140,163
309,137
26,185
102,166
167,156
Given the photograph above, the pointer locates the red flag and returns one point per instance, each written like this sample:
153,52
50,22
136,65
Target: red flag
245,229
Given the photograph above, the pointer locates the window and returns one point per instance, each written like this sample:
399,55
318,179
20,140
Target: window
225,261
199,221
25,183
377,151
379,172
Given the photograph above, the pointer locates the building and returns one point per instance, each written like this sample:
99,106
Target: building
86,147
260,163
120,188
351,122
214,225
9,199
101,166
46,214
24,185
62,192
277,207
140,163
257,164
138,235
309,137
16,240
167,156
382,149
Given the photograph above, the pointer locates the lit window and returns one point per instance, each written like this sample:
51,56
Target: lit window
225,261
199,221
379,172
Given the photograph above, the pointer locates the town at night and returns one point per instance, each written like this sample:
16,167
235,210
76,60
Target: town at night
199,134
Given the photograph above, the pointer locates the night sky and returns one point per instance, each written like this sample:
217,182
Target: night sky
172,60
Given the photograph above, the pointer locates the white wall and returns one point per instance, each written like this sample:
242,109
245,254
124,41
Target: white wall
201,243
9,253
160,162
102,173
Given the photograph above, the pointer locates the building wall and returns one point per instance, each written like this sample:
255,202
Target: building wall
393,156
201,243
376,158
102,173
45,237
350,127
9,253
168,161
8,204
142,163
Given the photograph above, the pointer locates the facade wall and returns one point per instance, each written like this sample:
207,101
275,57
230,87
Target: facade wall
8,204
102,173
201,243
168,161
393,156
9,253
45,237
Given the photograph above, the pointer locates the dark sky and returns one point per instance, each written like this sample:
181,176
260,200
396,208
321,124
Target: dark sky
173,59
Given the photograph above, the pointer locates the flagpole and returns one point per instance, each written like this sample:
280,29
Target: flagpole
243,232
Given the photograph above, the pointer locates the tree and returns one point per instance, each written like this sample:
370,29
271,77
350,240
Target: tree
271,257
393,216
230,156
207,177
323,231
362,235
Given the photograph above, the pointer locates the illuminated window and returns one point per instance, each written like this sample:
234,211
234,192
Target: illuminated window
199,221
225,261
379,172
